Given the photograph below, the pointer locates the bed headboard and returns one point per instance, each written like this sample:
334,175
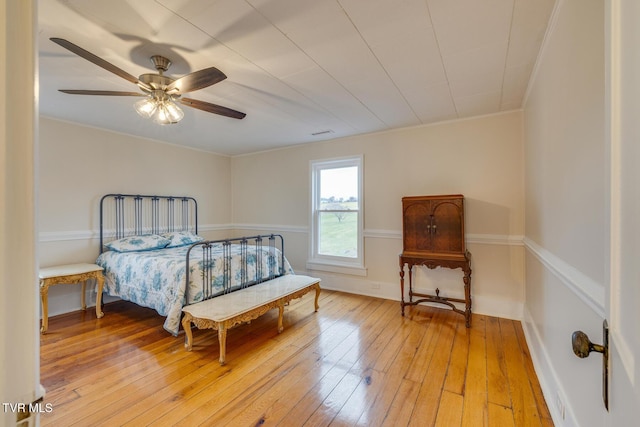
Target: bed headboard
123,215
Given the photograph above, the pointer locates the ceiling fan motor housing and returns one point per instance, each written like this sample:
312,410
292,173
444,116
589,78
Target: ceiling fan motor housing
160,63
156,81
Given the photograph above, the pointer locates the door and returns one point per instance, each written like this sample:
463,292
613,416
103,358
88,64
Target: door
416,225
19,304
447,226
623,110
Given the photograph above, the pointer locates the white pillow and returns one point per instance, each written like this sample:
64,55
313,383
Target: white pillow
138,243
181,238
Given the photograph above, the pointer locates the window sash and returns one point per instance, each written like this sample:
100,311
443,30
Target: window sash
319,255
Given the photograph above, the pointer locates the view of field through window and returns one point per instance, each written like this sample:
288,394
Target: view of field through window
339,210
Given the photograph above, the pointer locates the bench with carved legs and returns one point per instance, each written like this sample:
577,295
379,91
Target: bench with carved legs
224,312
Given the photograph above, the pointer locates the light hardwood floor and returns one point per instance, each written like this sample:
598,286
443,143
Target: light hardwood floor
355,362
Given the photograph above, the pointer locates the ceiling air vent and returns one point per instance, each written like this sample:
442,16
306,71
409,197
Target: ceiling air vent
322,132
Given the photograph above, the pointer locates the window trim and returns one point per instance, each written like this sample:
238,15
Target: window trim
335,264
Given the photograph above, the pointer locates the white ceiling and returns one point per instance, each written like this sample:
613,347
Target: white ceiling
295,67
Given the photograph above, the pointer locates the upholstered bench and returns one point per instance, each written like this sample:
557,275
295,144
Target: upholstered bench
225,311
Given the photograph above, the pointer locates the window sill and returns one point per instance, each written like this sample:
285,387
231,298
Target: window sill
337,268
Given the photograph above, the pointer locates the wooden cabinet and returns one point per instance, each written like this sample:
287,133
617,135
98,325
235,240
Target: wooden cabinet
433,236
433,225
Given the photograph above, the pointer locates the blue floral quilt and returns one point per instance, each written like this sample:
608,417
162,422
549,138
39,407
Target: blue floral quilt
156,278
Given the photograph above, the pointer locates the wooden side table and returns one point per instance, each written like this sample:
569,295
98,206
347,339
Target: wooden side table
431,262
69,274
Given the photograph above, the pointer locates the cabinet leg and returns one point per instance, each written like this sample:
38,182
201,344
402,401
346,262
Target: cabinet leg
402,289
467,296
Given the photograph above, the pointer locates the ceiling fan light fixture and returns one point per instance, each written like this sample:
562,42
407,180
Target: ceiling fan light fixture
168,113
146,107
161,109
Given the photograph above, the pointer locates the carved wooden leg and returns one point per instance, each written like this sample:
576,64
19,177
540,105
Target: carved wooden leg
317,296
402,287
83,302
222,340
44,292
100,282
410,268
467,296
186,325
280,314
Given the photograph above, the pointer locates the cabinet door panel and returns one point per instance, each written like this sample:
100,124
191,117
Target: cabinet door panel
446,231
417,220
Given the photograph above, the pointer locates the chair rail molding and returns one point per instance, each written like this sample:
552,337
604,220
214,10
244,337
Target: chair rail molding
588,290
61,236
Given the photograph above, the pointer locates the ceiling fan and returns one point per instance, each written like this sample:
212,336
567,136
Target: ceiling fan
160,92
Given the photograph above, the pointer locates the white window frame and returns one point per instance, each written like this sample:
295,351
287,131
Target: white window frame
335,264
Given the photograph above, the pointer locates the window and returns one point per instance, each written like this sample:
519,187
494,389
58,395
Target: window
336,216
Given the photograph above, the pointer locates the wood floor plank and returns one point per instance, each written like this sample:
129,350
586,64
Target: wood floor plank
356,361
259,406
331,375
500,415
196,381
279,409
339,332
497,381
225,391
428,401
474,411
457,370
233,371
381,351
449,410
361,399
543,409
399,395
525,411
399,412
259,395
244,371
427,349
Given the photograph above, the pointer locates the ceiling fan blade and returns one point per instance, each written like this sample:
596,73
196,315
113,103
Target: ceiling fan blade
100,92
98,61
197,80
212,108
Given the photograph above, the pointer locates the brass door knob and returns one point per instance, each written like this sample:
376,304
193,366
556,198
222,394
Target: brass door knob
582,345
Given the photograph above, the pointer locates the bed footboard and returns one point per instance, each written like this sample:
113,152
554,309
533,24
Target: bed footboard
229,265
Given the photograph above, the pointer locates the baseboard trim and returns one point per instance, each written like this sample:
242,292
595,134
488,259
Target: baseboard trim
547,376
488,306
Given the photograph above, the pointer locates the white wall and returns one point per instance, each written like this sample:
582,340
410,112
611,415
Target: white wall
480,158
567,198
79,164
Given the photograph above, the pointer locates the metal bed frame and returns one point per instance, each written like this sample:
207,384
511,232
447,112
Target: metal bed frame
136,214
248,245
123,215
